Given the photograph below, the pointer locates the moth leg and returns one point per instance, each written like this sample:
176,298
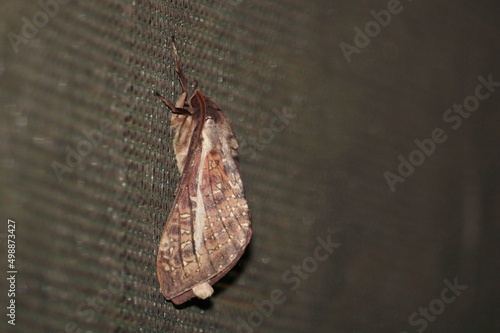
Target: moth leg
173,108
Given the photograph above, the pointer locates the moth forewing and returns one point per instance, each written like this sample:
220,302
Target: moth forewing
209,226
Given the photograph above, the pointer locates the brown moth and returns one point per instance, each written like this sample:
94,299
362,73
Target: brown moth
209,227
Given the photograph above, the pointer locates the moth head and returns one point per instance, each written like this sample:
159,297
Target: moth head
204,106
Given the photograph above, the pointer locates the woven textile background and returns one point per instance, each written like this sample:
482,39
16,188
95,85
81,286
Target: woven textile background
325,97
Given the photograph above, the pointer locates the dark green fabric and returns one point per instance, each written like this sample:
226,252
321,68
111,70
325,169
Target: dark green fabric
317,131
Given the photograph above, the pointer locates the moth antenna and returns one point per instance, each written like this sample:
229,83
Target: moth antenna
178,68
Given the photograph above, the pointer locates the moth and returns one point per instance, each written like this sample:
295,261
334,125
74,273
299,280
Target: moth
209,225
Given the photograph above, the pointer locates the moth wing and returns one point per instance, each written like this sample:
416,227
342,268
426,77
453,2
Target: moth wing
192,252
227,229
177,264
